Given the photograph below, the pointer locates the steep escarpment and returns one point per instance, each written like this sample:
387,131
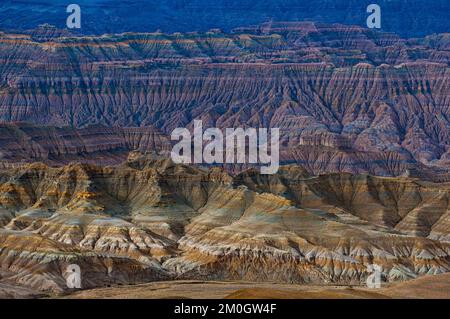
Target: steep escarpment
410,18
159,220
346,99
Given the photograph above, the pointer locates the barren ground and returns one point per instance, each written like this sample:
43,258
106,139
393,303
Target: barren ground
427,287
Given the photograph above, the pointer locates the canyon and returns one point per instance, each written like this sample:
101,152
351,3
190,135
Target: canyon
86,176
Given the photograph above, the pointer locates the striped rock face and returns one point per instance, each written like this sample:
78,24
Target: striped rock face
345,98
149,219
86,183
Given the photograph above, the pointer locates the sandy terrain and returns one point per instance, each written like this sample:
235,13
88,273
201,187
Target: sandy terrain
427,287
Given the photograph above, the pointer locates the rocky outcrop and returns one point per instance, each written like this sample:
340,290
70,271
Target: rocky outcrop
159,220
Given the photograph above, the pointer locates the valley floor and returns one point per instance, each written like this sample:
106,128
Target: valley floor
437,286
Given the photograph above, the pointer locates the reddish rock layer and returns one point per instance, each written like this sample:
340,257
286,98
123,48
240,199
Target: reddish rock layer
374,101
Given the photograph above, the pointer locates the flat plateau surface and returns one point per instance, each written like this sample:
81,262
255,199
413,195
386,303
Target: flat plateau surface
437,286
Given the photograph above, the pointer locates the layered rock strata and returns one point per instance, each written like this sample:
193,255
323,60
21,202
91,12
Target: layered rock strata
346,99
149,219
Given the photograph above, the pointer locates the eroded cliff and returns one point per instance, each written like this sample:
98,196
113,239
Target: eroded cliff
149,219
346,99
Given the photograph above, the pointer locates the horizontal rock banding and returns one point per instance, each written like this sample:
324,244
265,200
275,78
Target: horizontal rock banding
164,221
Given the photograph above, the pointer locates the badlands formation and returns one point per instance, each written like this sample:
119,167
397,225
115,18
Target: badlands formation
85,123
150,220
346,98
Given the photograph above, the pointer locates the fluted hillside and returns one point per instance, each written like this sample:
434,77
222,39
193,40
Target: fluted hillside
149,219
346,99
